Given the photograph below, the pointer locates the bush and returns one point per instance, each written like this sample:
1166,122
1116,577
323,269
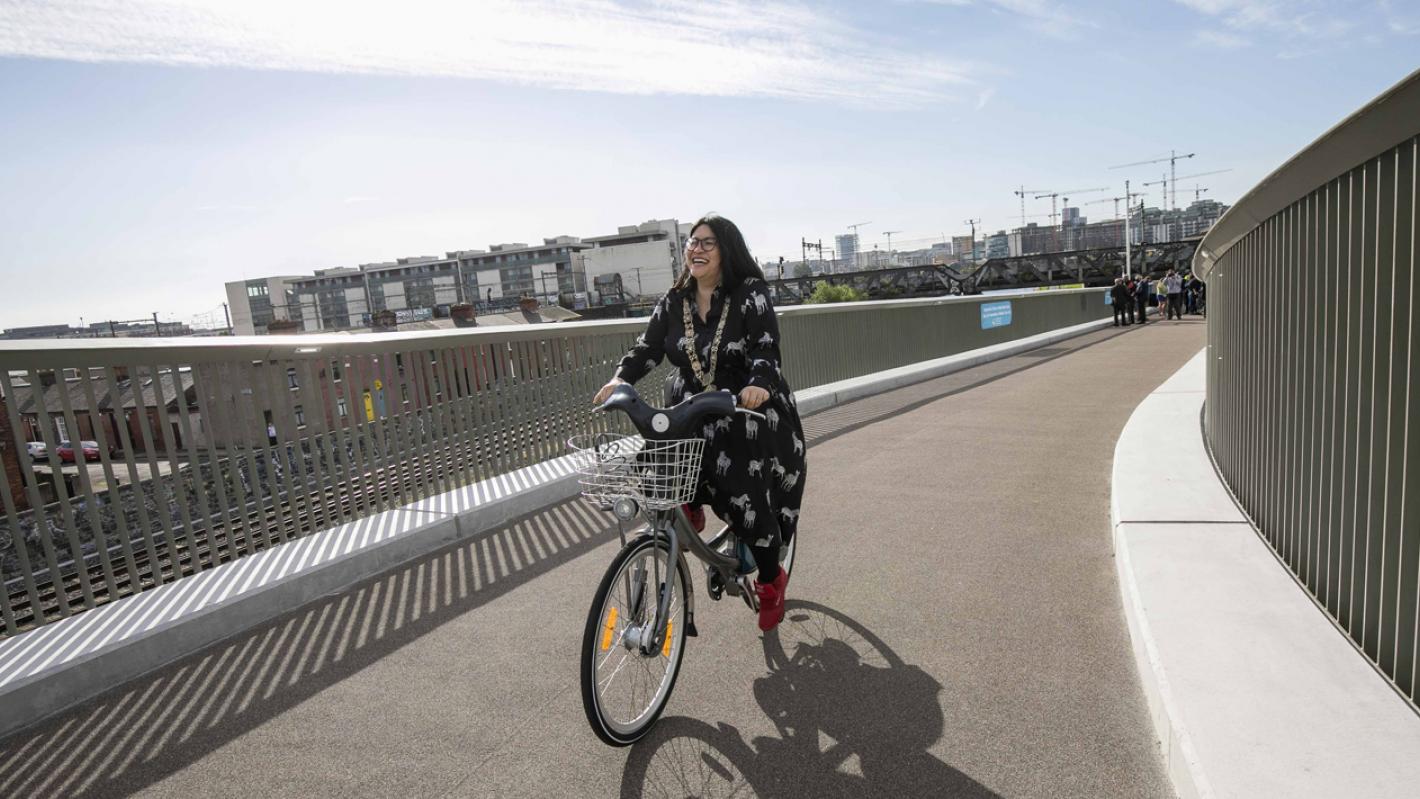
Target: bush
824,292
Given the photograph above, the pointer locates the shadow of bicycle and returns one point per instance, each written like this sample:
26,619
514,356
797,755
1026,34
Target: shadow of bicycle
851,720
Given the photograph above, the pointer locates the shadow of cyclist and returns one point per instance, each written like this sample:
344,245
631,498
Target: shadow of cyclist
851,719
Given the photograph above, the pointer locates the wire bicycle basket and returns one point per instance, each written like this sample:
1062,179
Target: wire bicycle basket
658,475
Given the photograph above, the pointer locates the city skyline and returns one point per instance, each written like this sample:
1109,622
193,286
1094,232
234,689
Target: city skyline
150,179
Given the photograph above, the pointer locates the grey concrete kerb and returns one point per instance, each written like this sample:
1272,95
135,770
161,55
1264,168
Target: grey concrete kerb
67,662
1251,688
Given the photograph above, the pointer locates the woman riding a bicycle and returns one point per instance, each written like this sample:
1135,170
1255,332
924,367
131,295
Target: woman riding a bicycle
717,326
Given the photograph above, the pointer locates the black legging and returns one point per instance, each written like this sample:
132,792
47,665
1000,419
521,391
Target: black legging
766,558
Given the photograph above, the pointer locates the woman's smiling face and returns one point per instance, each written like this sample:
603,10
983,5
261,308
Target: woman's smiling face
702,255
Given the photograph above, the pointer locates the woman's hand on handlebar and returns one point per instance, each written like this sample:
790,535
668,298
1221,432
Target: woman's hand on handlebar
752,397
605,391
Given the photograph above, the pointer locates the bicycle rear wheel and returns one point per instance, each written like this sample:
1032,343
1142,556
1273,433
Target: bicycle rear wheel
623,689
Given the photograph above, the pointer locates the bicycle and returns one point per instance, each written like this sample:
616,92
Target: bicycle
638,623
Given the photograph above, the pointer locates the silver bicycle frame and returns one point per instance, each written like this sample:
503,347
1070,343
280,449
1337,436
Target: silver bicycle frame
685,539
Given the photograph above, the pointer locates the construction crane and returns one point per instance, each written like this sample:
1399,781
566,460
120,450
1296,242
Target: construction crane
857,247
1167,180
1066,194
1022,192
889,233
1198,192
1114,200
1173,159
1163,192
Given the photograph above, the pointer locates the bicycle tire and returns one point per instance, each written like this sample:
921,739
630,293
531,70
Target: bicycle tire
600,640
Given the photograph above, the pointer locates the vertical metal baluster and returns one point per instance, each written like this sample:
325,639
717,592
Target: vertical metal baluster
227,425
160,490
247,419
204,380
335,438
257,375
460,470
133,383
115,491
359,380
45,527
412,432
356,432
320,441
463,376
176,486
430,401
307,486
392,455
273,383
61,491
89,498
17,537
400,449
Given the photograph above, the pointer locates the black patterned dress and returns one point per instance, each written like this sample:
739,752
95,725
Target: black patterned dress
753,471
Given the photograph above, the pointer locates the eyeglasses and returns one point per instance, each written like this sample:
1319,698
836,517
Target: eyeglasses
705,245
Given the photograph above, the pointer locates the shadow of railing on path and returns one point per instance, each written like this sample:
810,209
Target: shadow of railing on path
154,726
851,719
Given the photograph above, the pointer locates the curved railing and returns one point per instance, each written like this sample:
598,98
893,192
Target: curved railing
210,450
1313,407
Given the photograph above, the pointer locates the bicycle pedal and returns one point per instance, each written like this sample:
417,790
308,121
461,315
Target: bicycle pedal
714,585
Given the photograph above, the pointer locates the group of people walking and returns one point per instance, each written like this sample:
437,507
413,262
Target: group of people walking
1173,295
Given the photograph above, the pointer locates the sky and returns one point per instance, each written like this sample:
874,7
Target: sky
152,151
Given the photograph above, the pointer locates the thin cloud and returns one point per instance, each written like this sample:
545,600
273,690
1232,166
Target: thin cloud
1307,19
984,97
1220,39
1044,16
713,47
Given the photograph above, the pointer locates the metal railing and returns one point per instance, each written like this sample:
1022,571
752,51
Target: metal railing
1312,294
209,450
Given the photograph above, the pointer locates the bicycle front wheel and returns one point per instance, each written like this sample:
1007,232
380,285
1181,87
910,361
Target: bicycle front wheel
624,689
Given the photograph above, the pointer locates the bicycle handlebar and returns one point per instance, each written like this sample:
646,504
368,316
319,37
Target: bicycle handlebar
677,421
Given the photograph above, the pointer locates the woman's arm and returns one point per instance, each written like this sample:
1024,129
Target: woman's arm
762,335
649,349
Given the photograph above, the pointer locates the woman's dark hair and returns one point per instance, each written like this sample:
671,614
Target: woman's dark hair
736,263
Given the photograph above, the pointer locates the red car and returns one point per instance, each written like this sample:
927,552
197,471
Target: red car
65,451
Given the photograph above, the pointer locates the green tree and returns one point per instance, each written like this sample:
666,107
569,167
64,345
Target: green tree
824,293
802,270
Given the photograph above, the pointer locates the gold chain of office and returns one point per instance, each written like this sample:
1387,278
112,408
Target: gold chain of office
706,379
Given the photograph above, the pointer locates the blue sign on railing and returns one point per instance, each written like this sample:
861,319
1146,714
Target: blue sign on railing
995,314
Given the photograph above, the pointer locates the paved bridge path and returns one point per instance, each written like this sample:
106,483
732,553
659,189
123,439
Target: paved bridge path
955,628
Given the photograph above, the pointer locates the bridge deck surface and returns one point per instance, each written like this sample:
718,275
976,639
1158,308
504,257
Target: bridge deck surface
955,628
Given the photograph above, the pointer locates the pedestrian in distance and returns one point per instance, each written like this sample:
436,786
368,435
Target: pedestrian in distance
1129,298
1174,286
1118,298
1141,297
717,326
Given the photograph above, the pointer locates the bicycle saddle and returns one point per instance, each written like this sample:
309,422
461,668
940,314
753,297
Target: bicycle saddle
680,421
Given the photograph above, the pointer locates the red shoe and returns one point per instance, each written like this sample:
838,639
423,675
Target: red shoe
696,514
771,601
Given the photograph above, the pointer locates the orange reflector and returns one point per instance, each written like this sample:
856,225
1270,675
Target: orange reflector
608,628
666,647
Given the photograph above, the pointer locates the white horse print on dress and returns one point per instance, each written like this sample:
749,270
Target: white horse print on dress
789,515
790,480
756,467
777,468
772,416
798,445
751,428
722,465
766,340
741,501
735,346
